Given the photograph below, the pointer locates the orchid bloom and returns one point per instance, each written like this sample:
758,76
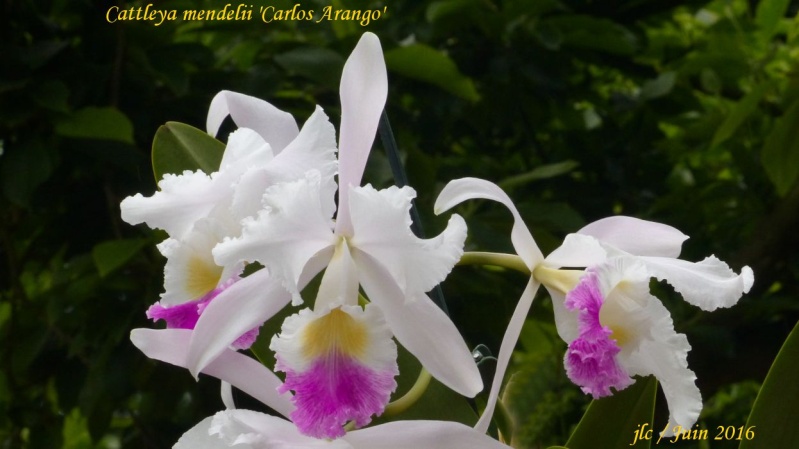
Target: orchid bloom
246,429
339,359
199,210
252,430
614,327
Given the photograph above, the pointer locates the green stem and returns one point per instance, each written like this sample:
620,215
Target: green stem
510,261
504,421
410,398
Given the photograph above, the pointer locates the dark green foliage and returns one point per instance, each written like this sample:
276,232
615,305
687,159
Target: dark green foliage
682,113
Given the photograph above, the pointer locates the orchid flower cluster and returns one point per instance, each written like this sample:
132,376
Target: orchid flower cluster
290,199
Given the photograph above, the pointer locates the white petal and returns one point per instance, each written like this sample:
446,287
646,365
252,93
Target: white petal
566,321
421,435
340,282
460,190
313,149
636,236
665,357
199,437
286,235
421,327
577,250
244,373
182,200
226,391
261,431
243,306
275,126
245,144
364,88
708,284
645,333
506,350
381,221
186,198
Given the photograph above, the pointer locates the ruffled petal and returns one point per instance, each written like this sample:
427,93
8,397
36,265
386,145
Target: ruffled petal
244,373
285,236
708,284
244,148
591,360
381,221
636,236
313,149
248,429
645,332
460,190
421,327
364,88
275,126
198,437
182,200
506,350
241,307
422,435
341,365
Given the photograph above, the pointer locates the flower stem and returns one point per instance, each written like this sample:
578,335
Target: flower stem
409,398
401,179
510,261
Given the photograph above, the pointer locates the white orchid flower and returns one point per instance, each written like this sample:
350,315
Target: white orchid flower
245,429
253,430
199,210
339,359
615,328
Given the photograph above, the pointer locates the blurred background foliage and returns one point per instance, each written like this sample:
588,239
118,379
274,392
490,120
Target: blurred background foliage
682,112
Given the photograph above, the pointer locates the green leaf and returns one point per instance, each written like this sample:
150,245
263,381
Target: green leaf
97,123
318,64
178,147
110,255
446,8
76,431
424,63
52,95
743,109
780,155
659,86
773,417
768,15
538,173
592,33
612,421
24,168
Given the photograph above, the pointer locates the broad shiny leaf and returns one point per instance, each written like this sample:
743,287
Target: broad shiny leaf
773,417
612,421
178,147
